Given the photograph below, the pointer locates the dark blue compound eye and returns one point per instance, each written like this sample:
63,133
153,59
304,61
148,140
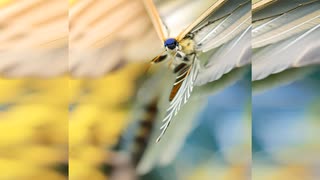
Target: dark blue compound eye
171,43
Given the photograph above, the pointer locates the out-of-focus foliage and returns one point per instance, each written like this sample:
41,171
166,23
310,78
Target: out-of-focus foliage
34,122
98,115
34,129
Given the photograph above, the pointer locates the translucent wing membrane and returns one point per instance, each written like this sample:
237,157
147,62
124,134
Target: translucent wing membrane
216,31
225,35
233,54
297,51
285,39
286,25
204,15
265,9
184,83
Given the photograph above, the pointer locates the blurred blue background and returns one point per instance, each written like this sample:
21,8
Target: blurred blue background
286,130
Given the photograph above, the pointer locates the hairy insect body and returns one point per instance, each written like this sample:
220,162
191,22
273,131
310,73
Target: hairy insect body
187,46
182,55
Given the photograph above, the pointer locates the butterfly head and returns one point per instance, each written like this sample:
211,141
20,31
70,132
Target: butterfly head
171,44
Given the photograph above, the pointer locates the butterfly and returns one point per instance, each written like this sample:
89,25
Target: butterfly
183,51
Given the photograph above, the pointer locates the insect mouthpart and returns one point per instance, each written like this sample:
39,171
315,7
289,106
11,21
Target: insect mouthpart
171,43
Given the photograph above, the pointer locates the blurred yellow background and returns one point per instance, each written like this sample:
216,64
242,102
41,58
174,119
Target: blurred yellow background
34,128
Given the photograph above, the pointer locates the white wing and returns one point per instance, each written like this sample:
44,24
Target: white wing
181,98
226,41
285,25
298,51
224,26
233,54
288,40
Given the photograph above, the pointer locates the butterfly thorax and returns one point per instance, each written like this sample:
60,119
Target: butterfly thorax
181,52
187,46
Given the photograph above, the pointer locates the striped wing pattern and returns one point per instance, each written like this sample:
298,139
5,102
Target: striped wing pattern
184,82
284,40
218,31
227,31
183,73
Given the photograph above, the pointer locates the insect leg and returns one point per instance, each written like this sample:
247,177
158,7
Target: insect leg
179,67
159,58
